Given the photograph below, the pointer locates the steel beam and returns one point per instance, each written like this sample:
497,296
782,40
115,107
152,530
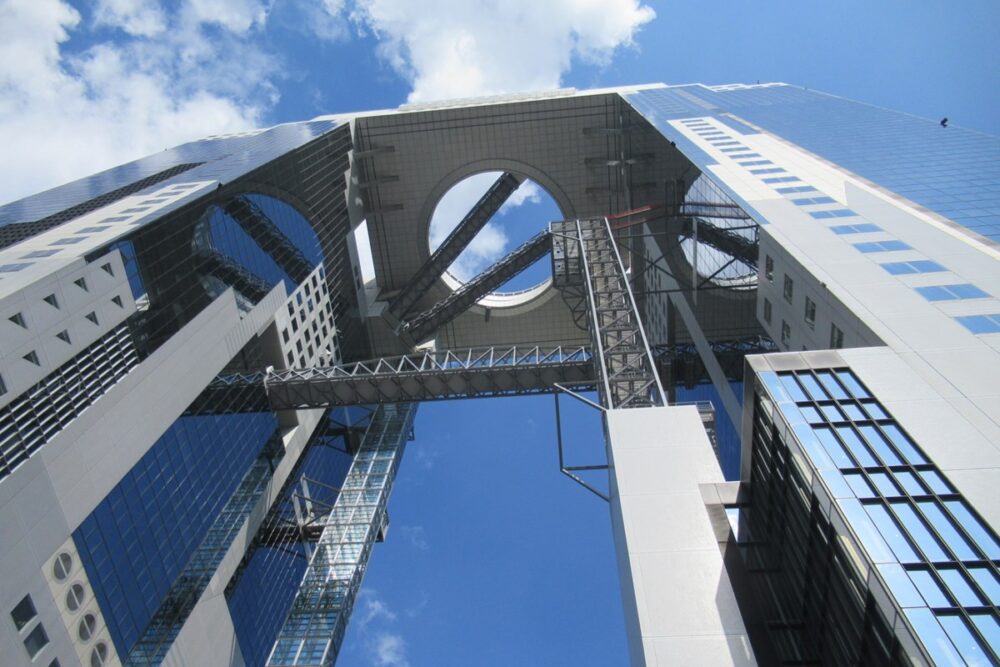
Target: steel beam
424,376
231,273
424,325
269,237
453,246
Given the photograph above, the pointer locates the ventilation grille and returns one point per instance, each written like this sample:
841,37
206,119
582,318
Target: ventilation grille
42,411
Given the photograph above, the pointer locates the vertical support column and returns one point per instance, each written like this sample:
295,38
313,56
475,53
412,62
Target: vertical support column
679,604
315,626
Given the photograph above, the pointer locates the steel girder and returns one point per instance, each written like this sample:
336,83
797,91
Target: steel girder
423,376
425,324
270,238
453,246
627,376
726,241
216,264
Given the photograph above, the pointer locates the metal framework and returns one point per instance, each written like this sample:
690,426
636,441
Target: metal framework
585,252
424,376
269,237
452,247
232,273
315,626
424,325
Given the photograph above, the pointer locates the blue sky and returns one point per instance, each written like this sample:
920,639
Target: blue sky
493,557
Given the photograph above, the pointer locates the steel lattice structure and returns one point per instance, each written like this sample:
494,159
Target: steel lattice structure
456,242
585,252
267,235
314,628
423,376
424,325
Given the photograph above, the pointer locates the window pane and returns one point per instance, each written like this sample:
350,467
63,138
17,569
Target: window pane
833,448
832,413
793,388
811,414
929,588
854,413
919,532
959,587
831,384
36,640
863,526
900,585
812,387
974,528
880,445
933,637
893,535
910,483
883,482
875,410
989,628
948,532
857,447
936,481
860,487
23,612
904,445
987,582
964,640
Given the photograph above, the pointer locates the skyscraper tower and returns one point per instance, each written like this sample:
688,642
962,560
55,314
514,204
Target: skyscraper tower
205,399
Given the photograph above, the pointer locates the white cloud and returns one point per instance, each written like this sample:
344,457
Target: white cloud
416,536
64,117
237,16
388,650
527,192
372,609
141,18
459,48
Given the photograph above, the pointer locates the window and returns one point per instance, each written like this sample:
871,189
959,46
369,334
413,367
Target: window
808,201
789,288
117,300
8,268
855,229
107,269
86,628
767,311
81,283
63,566
64,336
32,357
981,324
18,319
35,254
810,313
918,266
952,292
52,300
75,596
786,333
836,337
99,655
92,316
769,267
23,612
36,641
836,213
882,246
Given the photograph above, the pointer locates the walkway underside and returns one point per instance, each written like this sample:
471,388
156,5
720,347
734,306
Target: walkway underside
424,376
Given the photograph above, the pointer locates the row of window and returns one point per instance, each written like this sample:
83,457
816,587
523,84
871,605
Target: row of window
977,324
809,315
36,639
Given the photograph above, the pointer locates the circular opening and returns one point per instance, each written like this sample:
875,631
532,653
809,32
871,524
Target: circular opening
63,566
710,263
75,596
99,655
527,211
86,629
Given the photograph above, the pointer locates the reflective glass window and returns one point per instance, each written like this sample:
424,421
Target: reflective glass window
929,588
900,586
936,482
867,530
833,448
848,380
880,445
932,636
812,387
874,410
947,530
987,582
892,534
854,413
856,446
883,482
859,485
910,483
903,444
988,627
831,385
811,414
831,412
792,387
916,528
976,530
963,639
959,587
